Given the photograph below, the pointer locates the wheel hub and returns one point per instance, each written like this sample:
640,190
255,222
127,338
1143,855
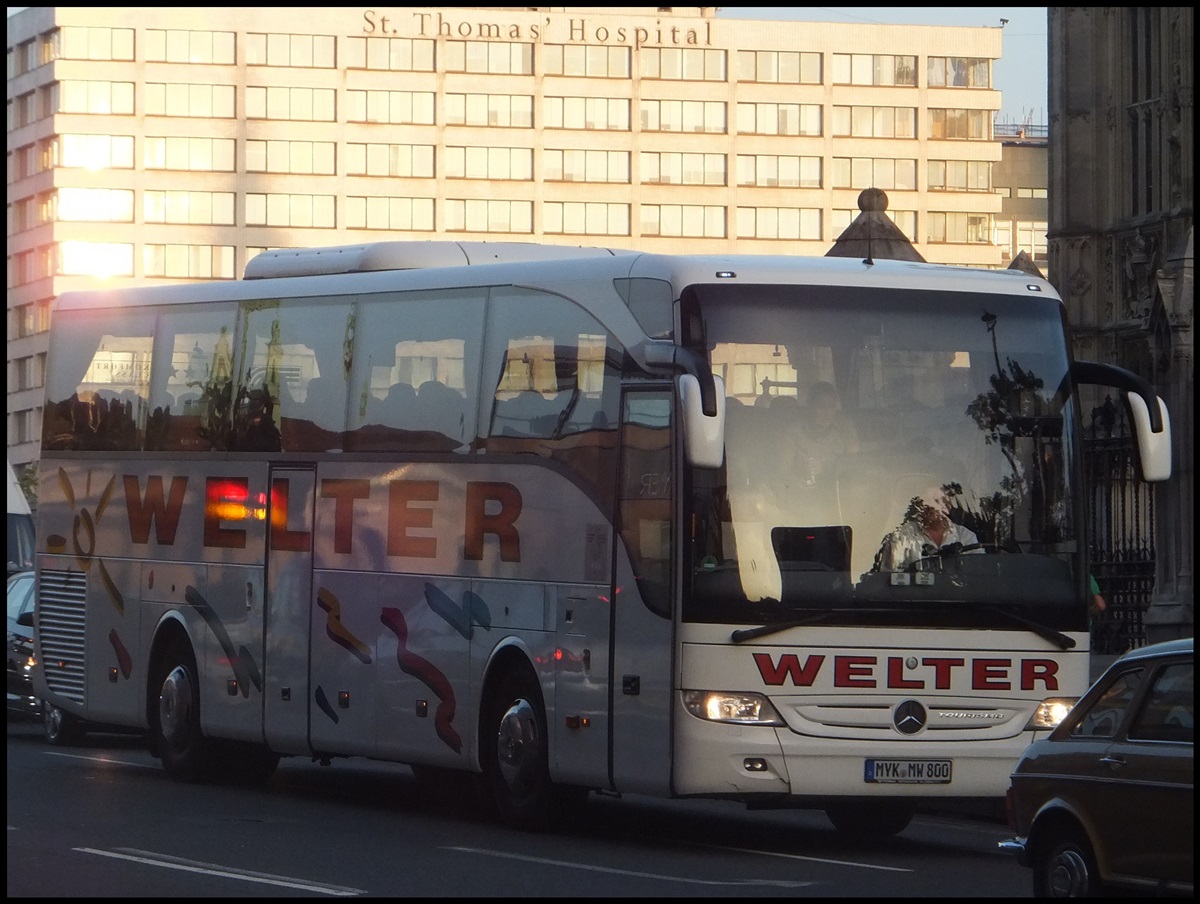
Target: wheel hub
175,703
1068,875
517,744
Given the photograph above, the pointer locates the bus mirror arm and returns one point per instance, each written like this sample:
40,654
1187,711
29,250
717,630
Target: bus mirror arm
689,361
1147,413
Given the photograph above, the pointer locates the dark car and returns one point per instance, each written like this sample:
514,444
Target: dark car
21,701
1106,801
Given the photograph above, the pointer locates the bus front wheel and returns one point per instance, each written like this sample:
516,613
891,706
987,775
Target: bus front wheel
181,745
515,754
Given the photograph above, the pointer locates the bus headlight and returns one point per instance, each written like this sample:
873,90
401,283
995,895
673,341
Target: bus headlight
1050,712
726,706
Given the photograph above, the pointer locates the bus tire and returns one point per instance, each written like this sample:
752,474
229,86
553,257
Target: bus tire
868,819
175,721
515,754
60,727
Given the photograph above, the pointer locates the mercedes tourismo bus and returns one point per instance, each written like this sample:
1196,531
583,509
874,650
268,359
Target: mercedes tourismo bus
567,519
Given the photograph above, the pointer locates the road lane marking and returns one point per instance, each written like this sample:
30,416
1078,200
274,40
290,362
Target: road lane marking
860,865
107,761
212,869
572,864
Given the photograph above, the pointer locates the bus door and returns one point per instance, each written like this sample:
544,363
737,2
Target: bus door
289,591
642,637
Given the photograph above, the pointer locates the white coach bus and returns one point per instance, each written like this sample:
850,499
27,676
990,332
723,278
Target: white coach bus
797,532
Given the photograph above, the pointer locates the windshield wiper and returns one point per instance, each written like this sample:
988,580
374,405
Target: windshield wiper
1062,641
742,634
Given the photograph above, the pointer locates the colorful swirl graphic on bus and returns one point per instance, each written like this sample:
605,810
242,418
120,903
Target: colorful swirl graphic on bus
124,661
338,632
83,535
428,674
245,669
473,609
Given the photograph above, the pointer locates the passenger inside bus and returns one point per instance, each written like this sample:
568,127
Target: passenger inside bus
829,434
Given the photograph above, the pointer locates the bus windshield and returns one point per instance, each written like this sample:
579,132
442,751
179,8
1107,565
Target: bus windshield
889,455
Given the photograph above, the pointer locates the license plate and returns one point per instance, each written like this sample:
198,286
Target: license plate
908,772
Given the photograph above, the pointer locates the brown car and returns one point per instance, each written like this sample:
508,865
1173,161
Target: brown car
1106,801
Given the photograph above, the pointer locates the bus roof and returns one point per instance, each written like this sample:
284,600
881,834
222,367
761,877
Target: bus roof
366,269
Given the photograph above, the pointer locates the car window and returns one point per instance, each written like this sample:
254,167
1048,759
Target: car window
20,595
1104,716
1166,713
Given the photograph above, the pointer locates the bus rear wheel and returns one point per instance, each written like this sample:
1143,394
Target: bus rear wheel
175,722
515,754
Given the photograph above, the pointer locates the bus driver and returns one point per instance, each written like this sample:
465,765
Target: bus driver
926,529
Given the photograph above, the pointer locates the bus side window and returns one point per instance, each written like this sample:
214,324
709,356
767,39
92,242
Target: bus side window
415,373
97,395
552,384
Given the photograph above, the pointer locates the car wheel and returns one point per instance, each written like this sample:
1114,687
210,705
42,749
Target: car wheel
514,754
61,728
872,820
1064,866
186,754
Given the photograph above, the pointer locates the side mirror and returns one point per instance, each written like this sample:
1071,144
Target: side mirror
703,435
1154,449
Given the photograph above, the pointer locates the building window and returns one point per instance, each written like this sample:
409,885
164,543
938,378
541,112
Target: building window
958,227
590,61
787,67
773,171
959,72
486,215
596,113
960,175
490,57
779,119
396,107
875,122
1039,193
206,208
177,46
683,169
96,259
690,220
194,101
81,42
298,51
489,163
874,172
1031,237
300,157
874,69
778,223
94,152
584,218
960,124
377,159
506,110
374,212
189,261
690,64
683,116
94,205
297,211
295,104
103,98
1002,237
585,166
389,54
193,154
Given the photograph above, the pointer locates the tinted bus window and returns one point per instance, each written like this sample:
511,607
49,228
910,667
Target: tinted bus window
415,374
97,391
